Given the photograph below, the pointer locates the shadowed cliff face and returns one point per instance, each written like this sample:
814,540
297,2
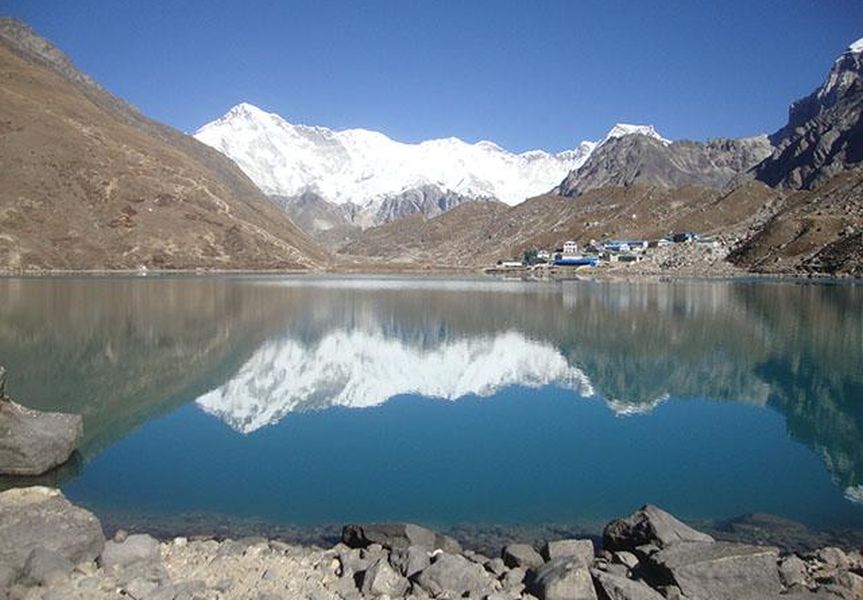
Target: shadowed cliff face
252,352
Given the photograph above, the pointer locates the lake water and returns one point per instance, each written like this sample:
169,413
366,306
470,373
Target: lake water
305,402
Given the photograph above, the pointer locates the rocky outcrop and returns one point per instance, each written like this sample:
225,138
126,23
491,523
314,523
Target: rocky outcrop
644,160
34,442
38,520
426,200
824,134
649,525
687,566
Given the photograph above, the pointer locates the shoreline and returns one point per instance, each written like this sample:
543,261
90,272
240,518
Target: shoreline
615,275
51,548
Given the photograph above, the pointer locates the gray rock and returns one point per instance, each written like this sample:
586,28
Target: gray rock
353,562
792,571
644,160
521,555
397,535
649,525
40,517
496,567
457,575
564,578
135,548
582,549
2,382
845,585
410,561
626,558
34,442
381,579
44,567
718,570
614,587
514,579
833,557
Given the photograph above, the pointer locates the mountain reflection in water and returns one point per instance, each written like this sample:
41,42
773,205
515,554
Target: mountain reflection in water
252,351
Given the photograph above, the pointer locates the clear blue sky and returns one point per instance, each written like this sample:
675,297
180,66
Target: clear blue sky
525,74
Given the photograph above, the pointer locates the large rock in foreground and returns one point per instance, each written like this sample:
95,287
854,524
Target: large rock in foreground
649,525
34,442
41,518
719,570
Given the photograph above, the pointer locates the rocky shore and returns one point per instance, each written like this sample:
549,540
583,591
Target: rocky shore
52,549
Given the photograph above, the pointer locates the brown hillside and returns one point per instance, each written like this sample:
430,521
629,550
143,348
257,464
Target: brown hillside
480,234
819,231
87,182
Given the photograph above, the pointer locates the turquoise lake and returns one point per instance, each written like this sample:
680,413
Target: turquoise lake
308,402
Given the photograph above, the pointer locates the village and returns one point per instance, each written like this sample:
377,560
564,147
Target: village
594,253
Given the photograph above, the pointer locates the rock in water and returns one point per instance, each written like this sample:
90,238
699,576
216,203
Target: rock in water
649,525
34,442
40,517
719,570
397,535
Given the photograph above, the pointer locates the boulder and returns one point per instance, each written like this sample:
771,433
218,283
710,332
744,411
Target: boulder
456,575
521,555
792,571
628,559
560,548
44,567
566,578
718,570
40,517
134,548
649,525
410,561
34,442
397,535
381,579
615,587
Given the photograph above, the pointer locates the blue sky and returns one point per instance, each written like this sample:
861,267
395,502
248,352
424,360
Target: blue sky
525,74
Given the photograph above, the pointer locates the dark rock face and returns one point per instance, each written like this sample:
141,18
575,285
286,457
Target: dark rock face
824,134
649,526
41,518
640,159
428,201
34,442
397,535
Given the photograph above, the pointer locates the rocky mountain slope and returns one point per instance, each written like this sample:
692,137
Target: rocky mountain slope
88,182
479,235
379,179
824,134
640,159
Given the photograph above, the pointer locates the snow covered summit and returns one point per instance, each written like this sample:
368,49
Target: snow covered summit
366,167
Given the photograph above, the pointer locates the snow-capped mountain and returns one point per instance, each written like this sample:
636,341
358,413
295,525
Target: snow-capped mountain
366,167
623,129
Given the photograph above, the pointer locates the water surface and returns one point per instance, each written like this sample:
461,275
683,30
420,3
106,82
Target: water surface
312,401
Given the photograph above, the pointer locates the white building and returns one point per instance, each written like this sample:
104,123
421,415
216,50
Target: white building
570,248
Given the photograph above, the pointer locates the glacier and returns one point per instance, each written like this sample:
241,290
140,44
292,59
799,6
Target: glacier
366,167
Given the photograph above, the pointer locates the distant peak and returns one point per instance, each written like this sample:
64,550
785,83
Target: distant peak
624,129
246,108
856,47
